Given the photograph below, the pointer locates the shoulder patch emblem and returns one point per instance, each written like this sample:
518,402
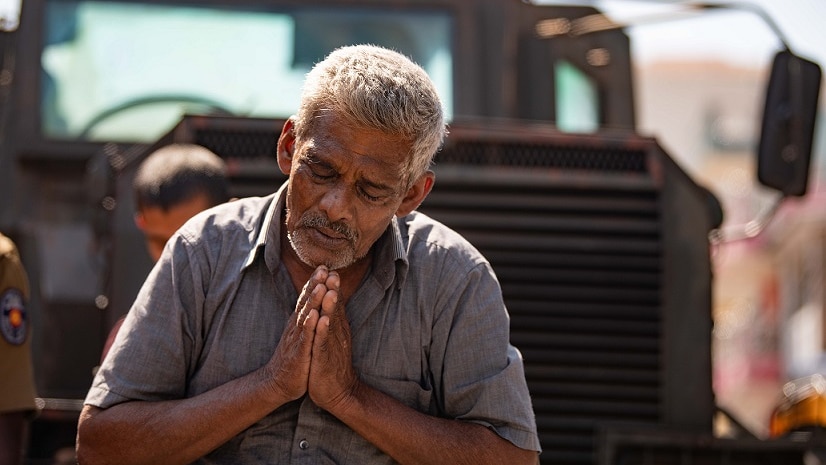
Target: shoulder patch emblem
13,317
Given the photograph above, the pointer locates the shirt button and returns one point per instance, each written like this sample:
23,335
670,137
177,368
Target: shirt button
304,445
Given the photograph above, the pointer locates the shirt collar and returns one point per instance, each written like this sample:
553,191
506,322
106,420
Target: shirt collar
391,255
270,232
400,249
390,261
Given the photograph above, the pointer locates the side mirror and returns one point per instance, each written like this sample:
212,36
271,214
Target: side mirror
786,135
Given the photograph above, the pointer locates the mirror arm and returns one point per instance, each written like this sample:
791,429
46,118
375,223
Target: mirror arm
753,8
749,229
598,22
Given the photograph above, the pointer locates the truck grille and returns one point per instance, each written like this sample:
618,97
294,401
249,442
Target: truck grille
580,265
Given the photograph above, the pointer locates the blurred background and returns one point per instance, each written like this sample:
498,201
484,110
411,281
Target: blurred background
699,82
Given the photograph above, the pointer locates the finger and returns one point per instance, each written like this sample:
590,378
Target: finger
320,275
322,331
313,303
329,303
305,294
332,280
330,299
310,321
308,329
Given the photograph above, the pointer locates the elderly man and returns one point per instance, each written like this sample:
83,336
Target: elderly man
328,322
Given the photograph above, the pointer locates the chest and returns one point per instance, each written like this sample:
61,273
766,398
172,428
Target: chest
243,325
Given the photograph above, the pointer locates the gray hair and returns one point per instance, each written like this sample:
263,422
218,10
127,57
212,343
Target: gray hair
377,88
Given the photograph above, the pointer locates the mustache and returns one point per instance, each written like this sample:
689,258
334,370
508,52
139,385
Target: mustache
310,220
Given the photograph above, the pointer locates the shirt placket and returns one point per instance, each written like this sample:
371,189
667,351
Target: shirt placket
307,438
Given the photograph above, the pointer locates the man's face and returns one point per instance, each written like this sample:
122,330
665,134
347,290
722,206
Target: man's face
345,187
158,225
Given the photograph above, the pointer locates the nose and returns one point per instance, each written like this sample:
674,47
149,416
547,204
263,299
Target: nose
337,203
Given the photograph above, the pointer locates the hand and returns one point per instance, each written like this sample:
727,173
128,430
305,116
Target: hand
332,377
289,368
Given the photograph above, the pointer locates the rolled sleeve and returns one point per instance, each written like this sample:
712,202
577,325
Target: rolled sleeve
482,377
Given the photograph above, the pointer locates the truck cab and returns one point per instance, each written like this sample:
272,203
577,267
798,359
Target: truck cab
604,264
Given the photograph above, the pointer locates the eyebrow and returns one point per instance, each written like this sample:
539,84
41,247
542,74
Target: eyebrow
311,157
379,186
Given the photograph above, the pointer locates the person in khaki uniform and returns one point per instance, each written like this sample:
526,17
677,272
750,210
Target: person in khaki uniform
16,378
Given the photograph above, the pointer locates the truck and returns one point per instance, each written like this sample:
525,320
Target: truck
600,239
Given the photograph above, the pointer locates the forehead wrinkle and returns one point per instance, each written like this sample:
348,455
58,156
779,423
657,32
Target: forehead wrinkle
315,154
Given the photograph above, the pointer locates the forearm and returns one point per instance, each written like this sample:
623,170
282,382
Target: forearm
176,431
180,431
411,437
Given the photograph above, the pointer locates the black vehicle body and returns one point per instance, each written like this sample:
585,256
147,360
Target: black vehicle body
600,240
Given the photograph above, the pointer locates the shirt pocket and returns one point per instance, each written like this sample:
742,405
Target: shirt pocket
410,393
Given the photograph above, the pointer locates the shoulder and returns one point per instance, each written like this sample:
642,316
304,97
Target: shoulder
7,247
241,217
450,274
12,273
245,213
221,236
425,235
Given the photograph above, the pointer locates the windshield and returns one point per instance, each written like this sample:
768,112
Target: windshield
116,71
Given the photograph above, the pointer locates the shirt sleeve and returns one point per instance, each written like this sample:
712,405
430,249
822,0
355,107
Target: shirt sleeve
151,355
482,374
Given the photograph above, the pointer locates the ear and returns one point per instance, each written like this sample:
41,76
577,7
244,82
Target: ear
286,146
416,194
140,221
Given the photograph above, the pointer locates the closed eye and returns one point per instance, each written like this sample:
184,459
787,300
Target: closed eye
375,192
319,170
321,176
370,198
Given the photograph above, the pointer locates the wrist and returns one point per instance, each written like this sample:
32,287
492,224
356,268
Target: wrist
351,401
270,390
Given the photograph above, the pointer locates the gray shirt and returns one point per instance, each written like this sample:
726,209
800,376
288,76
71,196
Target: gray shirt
428,323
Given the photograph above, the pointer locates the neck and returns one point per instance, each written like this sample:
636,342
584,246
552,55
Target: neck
300,272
